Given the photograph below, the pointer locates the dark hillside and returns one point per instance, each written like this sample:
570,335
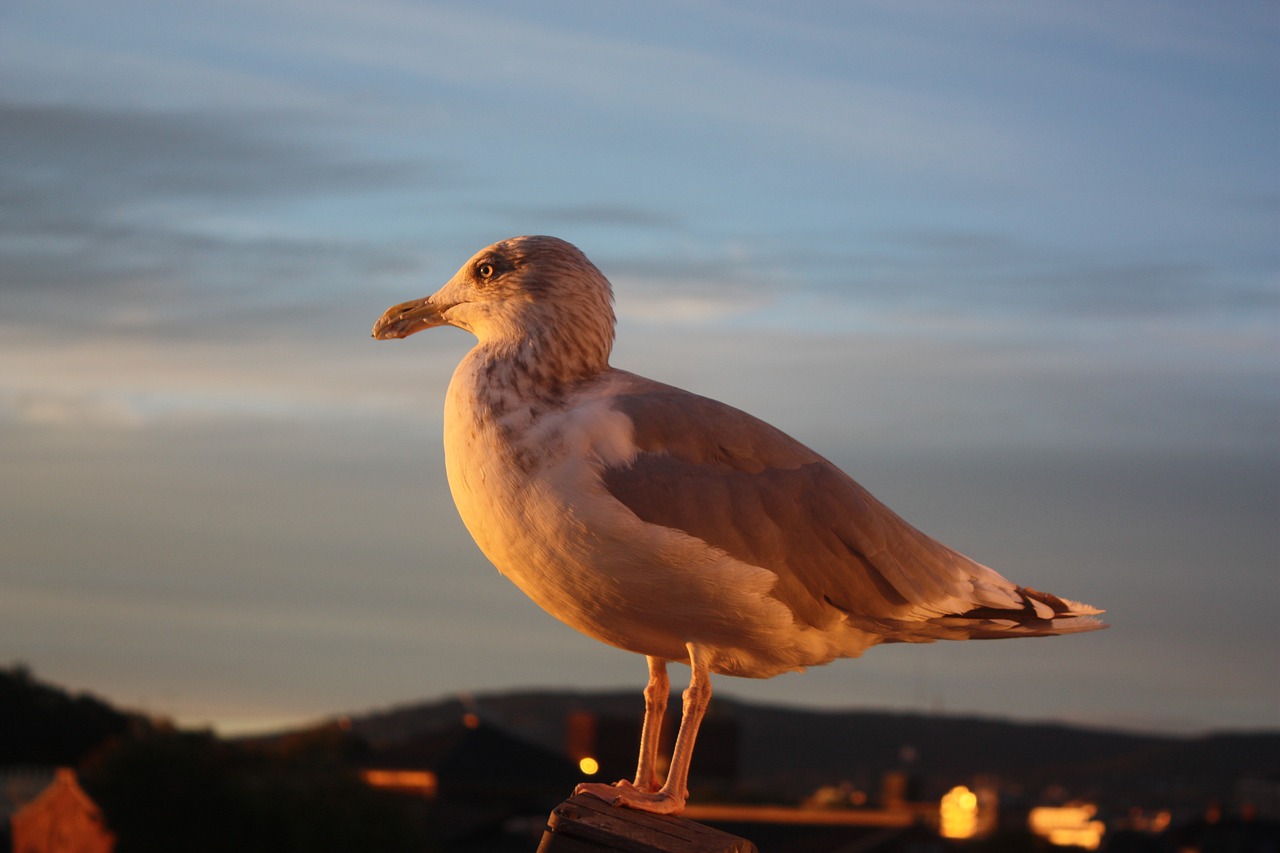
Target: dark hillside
43,725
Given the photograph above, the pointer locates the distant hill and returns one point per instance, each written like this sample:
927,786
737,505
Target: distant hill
782,753
790,752
160,788
41,724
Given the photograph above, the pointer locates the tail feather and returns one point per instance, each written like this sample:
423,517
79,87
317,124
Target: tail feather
1042,615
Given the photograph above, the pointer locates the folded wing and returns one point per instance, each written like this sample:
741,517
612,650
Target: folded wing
747,488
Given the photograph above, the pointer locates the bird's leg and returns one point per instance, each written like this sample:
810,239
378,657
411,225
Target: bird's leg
656,693
669,799
696,699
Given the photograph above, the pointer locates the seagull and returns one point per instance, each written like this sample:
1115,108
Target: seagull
669,524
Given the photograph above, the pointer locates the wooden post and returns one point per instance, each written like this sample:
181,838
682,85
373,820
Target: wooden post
586,824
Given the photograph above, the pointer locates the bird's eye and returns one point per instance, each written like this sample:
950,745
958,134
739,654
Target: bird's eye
484,270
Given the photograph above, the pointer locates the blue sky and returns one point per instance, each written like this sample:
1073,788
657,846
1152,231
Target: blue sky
1013,266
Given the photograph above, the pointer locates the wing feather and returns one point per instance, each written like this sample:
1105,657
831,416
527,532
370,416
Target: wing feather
745,487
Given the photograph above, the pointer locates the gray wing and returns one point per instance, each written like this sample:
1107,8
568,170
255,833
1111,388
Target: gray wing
745,487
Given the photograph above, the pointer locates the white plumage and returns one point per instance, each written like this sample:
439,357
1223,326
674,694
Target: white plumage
671,525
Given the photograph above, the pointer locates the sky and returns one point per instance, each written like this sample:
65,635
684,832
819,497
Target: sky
1014,266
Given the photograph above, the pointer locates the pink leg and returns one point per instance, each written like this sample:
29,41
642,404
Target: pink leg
670,799
656,693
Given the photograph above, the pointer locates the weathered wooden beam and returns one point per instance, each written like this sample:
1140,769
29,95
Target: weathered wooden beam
585,824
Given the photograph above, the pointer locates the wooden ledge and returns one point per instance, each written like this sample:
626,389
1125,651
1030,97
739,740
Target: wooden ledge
585,824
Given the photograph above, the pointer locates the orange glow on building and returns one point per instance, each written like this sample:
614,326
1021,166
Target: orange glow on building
1068,826
420,782
61,817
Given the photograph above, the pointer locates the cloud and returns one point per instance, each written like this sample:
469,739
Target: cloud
1001,275
531,68
65,164
598,214
952,282
1240,33
120,222
667,309
75,176
63,410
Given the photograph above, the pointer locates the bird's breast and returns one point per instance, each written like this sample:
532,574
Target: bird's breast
528,486
518,470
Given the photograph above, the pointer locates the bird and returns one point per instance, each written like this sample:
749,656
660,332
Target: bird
671,525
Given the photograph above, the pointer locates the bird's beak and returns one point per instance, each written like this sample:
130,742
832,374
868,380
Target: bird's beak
401,321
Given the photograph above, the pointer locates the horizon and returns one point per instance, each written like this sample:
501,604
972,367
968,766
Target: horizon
784,705
473,702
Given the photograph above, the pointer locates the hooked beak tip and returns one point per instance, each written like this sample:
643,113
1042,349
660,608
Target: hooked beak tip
405,319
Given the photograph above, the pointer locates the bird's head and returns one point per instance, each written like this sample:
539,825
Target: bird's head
539,293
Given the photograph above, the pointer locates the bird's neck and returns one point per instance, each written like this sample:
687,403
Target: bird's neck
543,361
511,384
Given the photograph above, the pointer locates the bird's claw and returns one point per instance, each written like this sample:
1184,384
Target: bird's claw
627,795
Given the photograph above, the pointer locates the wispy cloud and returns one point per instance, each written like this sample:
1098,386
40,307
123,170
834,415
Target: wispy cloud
595,215
71,167
136,223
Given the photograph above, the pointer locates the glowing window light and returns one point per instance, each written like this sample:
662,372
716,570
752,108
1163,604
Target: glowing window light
1068,826
958,813
421,782
589,765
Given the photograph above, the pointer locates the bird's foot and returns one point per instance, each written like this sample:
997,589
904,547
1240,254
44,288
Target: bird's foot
652,786
628,796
